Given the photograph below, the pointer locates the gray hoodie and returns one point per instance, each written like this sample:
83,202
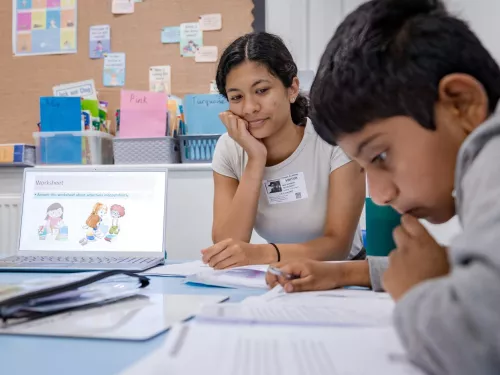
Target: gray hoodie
451,325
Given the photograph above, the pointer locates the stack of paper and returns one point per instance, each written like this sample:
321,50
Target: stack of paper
238,277
180,269
253,350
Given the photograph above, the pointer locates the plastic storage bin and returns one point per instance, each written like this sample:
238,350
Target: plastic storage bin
85,147
158,150
198,148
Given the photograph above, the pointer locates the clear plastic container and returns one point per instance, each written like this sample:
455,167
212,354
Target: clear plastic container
85,147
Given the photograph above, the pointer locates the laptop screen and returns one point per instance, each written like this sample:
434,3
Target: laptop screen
93,211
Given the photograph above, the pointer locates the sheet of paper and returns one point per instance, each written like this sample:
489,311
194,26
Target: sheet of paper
99,41
171,34
123,6
207,54
211,22
114,69
191,39
160,79
238,277
226,349
44,27
143,114
213,87
83,89
181,269
136,318
279,296
336,311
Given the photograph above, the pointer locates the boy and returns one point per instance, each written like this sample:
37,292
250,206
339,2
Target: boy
410,93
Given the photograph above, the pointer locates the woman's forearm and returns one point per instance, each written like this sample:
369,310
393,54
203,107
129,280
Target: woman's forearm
239,221
323,248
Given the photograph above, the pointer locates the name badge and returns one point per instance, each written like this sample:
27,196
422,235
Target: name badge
286,189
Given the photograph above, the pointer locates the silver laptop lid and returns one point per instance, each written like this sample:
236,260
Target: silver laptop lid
93,211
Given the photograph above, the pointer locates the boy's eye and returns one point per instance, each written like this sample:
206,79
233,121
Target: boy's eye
380,158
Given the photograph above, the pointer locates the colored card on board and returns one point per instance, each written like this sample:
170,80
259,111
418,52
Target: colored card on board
207,54
143,114
122,6
114,69
171,34
99,41
159,79
211,22
191,39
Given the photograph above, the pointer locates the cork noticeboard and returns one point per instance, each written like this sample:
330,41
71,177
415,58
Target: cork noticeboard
25,79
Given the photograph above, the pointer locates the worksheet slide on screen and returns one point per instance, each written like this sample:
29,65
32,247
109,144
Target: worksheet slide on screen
93,211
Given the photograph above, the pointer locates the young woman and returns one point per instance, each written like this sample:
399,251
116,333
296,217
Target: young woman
272,172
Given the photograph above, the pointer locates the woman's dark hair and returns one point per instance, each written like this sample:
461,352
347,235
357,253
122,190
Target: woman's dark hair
53,207
269,50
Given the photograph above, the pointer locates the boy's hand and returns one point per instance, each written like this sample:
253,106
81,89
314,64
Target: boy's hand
418,257
310,275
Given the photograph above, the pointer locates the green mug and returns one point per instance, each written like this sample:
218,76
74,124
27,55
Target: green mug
380,223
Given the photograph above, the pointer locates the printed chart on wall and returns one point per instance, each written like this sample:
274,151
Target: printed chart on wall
44,27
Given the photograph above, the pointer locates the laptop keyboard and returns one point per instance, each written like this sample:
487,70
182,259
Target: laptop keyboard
76,260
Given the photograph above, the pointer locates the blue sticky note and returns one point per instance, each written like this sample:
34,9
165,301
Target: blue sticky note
171,34
202,113
60,114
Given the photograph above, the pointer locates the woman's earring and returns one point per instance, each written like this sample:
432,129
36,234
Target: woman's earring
293,100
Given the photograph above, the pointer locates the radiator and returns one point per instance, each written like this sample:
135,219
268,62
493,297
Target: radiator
10,220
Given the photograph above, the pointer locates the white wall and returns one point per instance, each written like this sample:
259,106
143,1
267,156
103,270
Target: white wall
307,25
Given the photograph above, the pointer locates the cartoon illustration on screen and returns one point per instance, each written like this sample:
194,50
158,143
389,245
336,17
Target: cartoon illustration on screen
53,224
117,212
94,227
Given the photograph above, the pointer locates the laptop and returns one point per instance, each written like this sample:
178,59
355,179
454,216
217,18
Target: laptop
91,218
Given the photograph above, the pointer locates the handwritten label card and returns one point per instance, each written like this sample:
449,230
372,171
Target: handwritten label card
143,114
123,6
114,69
100,41
171,34
202,113
83,89
207,54
211,22
159,79
191,38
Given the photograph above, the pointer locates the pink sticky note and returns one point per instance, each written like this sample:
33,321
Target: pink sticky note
143,114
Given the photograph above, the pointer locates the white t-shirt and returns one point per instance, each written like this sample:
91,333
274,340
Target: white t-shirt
294,195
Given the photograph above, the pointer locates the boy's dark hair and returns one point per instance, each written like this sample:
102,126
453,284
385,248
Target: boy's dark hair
387,58
270,51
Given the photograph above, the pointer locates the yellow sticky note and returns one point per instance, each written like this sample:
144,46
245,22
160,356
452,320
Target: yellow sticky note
6,154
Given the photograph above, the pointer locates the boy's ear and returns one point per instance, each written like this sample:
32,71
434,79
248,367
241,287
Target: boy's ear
465,99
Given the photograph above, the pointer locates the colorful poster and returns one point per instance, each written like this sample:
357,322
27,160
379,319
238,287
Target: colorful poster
44,27
191,39
100,41
159,79
171,34
114,69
